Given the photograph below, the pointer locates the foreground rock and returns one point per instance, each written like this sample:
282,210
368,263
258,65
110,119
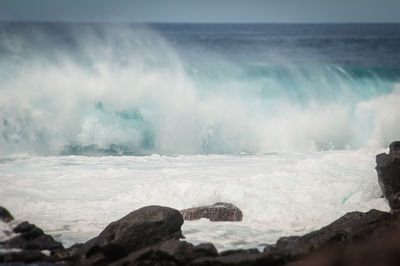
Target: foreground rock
29,245
388,169
220,211
150,236
5,216
139,229
347,233
171,252
381,249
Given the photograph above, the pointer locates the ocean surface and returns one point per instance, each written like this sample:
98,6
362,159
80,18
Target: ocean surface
283,120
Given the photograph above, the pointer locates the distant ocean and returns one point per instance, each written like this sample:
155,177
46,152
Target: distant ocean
283,120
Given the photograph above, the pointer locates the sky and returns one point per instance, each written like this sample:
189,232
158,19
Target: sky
203,11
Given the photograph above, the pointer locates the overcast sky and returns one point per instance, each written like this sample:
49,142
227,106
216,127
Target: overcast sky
201,10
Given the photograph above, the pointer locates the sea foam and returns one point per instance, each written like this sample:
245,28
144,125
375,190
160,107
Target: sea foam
75,197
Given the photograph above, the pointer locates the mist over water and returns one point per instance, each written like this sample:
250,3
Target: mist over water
95,89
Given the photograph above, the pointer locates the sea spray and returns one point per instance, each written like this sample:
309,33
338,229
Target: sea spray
95,89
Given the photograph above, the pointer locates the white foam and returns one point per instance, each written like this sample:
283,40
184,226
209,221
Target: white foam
74,197
48,100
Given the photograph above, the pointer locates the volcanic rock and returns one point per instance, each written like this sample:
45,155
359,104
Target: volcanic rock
347,233
382,249
394,148
388,169
351,229
31,237
220,211
24,256
170,252
139,229
30,245
5,216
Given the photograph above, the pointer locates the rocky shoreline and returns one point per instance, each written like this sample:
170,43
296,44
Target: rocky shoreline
152,236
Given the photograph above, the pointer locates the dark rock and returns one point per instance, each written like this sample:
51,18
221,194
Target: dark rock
394,148
351,229
220,211
240,259
170,252
28,230
388,169
24,256
205,250
345,233
147,256
68,254
31,237
383,249
139,229
5,216
239,251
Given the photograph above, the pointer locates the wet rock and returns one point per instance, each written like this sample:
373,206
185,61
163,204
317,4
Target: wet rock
171,252
239,251
394,148
5,216
383,249
205,250
68,254
24,256
220,211
388,169
139,229
240,259
351,229
31,237
345,233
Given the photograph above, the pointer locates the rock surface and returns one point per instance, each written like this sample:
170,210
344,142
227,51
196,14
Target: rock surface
394,148
5,216
139,229
220,211
351,229
347,233
31,237
382,250
32,242
171,252
388,169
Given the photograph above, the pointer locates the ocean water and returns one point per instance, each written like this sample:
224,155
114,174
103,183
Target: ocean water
283,120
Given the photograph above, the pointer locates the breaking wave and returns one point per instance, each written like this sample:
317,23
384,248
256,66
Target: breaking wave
125,90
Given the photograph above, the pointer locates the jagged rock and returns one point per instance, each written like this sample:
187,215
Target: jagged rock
239,251
5,216
348,232
31,237
139,229
383,249
24,256
220,211
351,229
170,252
388,169
68,254
394,148
239,259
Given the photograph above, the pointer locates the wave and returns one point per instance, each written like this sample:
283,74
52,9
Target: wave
119,90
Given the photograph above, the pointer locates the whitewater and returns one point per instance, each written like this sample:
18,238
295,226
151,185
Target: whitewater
284,121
